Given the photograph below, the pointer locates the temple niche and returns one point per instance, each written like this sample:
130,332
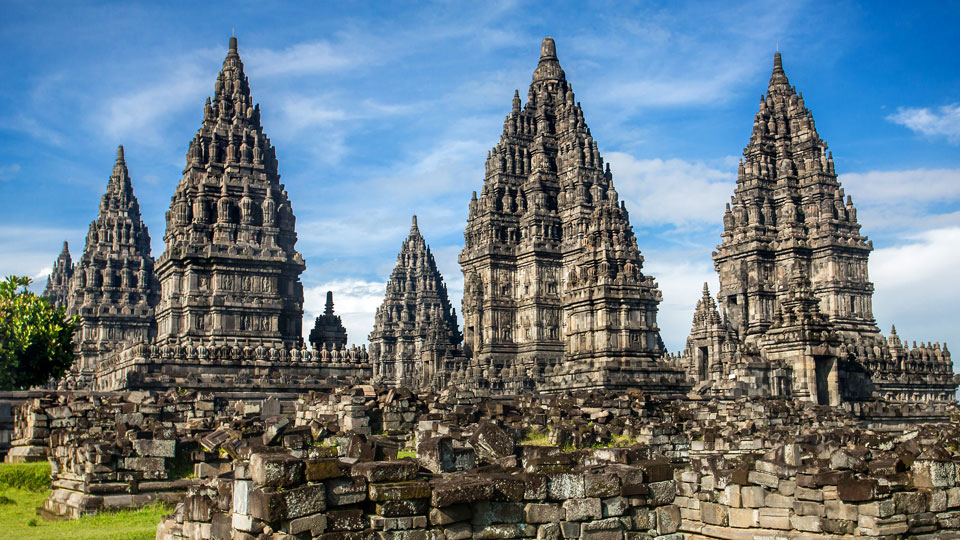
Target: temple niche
554,292
415,342
795,314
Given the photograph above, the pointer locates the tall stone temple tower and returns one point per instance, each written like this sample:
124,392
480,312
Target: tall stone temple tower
795,310
328,331
58,282
113,287
415,340
789,215
553,288
230,272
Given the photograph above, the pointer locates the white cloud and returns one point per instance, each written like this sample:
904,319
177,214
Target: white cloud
141,114
680,276
42,275
943,121
894,200
671,192
29,251
301,59
434,185
897,187
916,286
673,90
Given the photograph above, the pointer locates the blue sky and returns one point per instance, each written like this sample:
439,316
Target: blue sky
382,110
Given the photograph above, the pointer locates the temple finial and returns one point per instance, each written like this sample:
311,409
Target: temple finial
233,44
549,67
328,308
548,48
413,226
120,158
779,84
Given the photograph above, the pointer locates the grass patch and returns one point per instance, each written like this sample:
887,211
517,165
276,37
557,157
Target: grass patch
536,437
622,440
405,454
24,487
18,519
26,476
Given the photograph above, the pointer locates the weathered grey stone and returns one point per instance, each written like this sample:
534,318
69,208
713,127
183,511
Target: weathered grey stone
386,471
343,491
582,509
287,504
276,470
543,513
668,519
392,491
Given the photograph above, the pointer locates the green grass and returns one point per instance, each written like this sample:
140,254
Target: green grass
405,454
22,492
536,438
28,476
622,440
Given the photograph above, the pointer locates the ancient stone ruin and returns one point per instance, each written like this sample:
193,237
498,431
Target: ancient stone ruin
415,340
795,314
554,296
788,415
112,287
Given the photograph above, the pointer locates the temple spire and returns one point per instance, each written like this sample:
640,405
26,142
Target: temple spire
548,49
415,315
778,79
120,173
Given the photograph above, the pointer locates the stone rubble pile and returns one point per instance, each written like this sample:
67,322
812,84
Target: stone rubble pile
31,431
115,451
494,457
276,492
842,481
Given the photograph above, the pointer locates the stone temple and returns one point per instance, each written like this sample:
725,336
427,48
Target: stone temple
223,308
328,331
230,273
558,414
555,297
112,287
415,342
554,293
795,311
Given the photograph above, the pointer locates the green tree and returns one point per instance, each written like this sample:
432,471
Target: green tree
36,338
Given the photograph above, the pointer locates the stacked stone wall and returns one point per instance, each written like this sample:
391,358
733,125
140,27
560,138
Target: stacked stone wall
14,426
113,451
116,450
289,494
825,483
